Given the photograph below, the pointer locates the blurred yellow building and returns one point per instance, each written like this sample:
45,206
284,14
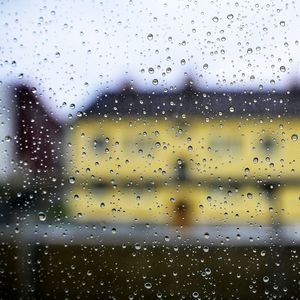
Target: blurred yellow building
188,158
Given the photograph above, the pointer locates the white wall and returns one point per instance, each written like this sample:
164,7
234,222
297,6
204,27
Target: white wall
7,142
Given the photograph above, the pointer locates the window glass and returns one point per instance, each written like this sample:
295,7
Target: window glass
149,149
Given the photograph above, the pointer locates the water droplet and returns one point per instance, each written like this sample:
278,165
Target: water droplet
282,23
195,295
207,271
72,180
150,36
7,138
205,249
42,216
294,137
151,70
265,279
282,69
155,82
148,285
215,19
137,246
249,196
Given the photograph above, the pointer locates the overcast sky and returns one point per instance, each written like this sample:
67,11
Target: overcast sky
69,50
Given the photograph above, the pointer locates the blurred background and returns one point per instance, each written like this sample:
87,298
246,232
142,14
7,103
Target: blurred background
149,150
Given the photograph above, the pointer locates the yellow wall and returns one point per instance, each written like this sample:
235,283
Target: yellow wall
205,205
289,204
149,149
